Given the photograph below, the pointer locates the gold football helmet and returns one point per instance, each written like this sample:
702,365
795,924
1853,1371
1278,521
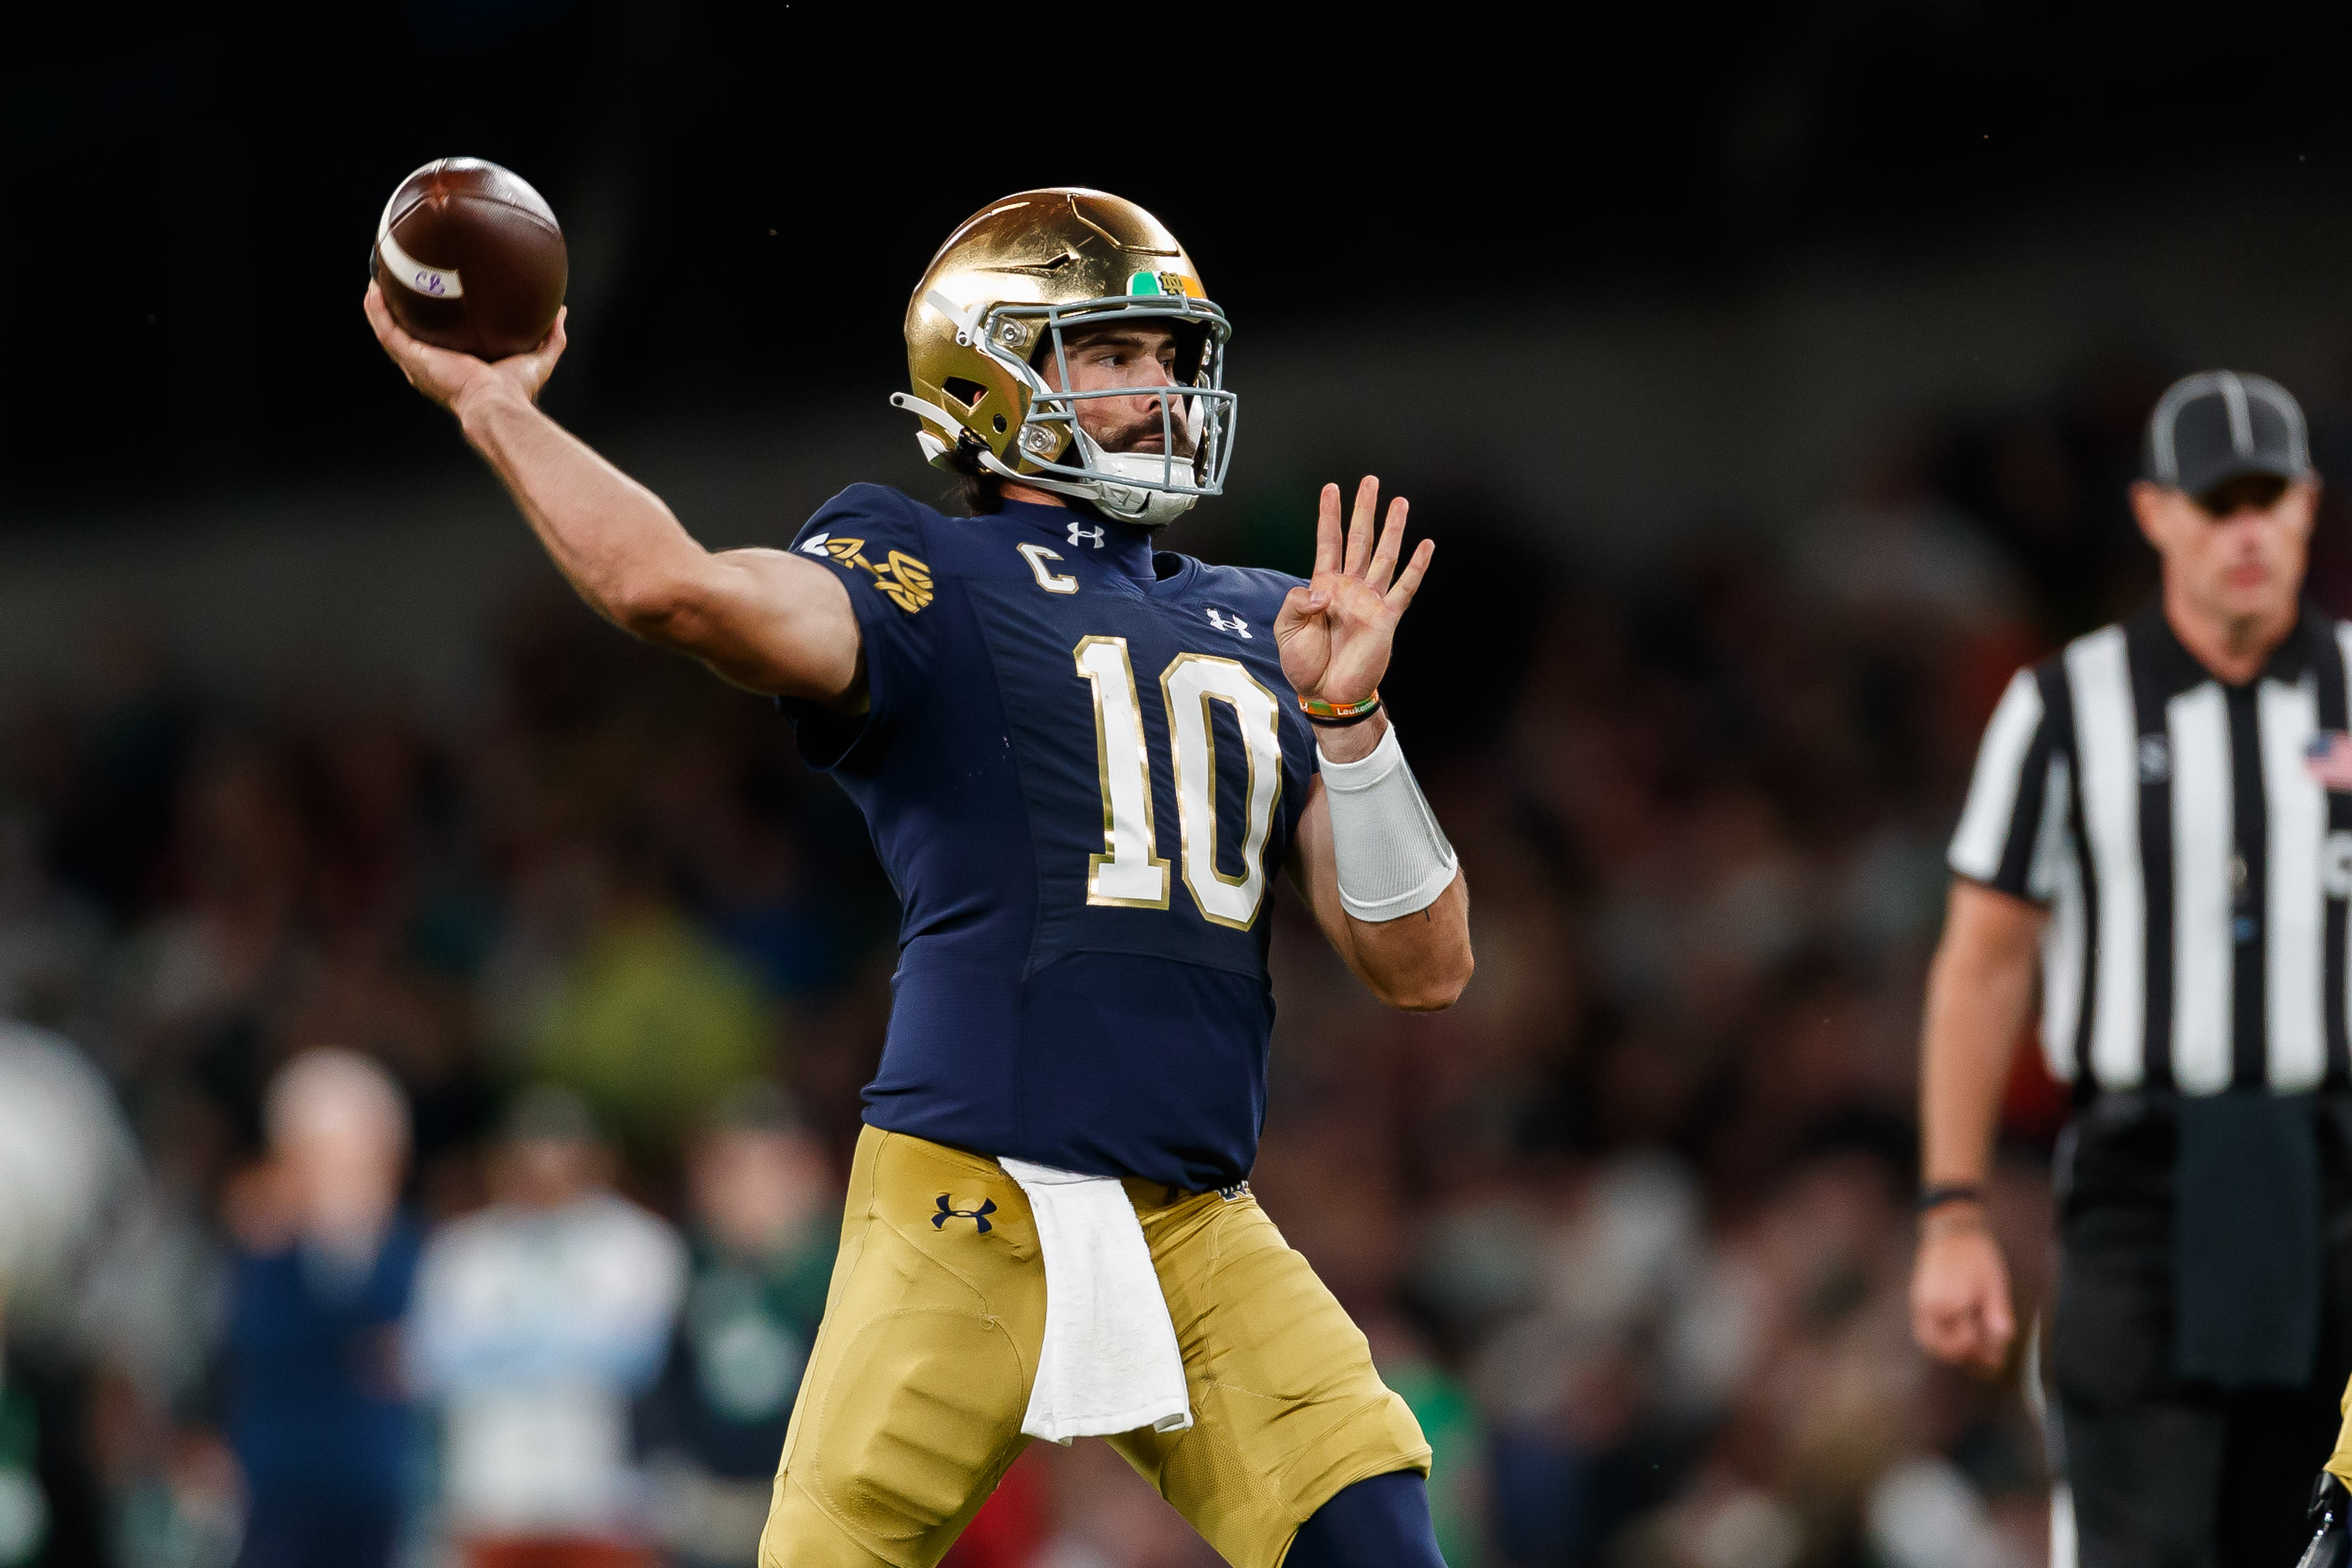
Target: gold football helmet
992,310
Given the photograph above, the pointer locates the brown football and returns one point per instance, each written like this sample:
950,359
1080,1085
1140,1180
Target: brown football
470,259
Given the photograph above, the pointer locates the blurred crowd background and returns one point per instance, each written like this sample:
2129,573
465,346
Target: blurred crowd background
434,1024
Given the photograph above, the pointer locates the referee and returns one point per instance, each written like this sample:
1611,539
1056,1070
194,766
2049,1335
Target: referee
2159,829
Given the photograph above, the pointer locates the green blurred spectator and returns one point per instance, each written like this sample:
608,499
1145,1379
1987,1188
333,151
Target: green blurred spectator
654,1023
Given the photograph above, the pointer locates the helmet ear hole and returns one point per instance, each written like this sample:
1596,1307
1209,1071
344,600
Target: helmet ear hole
1000,424
968,393
1192,349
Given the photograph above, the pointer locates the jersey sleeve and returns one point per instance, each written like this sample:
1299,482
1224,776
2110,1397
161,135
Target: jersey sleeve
2014,829
873,539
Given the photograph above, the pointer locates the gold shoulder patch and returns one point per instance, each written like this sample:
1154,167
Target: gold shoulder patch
907,580
904,579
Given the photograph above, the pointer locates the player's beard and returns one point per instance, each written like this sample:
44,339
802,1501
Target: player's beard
1142,434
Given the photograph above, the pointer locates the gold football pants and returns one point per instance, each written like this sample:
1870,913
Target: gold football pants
910,1409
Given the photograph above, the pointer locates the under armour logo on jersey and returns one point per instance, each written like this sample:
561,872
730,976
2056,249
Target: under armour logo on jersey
979,1216
1092,536
816,545
1236,625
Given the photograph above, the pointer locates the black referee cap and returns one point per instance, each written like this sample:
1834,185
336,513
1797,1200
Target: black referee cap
2220,425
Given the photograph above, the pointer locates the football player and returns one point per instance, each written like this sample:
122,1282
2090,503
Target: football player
1083,761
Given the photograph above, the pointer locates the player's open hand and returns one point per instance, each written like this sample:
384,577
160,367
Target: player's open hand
447,376
1960,1309
1335,632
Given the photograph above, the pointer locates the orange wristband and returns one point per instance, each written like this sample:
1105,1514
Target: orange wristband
1340,712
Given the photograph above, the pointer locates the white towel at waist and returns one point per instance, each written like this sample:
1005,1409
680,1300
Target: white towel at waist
1109,1361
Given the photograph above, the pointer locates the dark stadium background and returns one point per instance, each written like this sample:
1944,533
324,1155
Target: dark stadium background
193,188
1769,374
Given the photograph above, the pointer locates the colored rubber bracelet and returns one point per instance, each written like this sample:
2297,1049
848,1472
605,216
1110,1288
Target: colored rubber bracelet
1342,711
1944,1193
1343,723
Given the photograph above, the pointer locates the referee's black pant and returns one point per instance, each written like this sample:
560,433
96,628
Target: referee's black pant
2166,1473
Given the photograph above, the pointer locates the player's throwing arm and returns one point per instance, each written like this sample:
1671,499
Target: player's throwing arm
761,618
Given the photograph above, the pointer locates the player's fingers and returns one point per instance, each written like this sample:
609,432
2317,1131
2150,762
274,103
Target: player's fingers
1297,605
1359,526
546,348
1392,545
396,338
1327,530
533,366
413,357
1408,581
379,316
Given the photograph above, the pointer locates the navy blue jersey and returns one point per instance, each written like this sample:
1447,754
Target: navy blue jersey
1082,768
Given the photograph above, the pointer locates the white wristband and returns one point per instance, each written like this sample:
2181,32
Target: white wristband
1393,858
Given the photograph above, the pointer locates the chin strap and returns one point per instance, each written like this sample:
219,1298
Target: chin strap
1138,504
934,447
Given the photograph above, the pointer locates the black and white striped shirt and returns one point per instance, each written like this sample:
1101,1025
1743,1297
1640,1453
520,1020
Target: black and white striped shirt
2195,864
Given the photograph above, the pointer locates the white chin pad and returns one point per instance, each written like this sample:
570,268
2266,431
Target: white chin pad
1148,466
1393,857
1145,509
1151,507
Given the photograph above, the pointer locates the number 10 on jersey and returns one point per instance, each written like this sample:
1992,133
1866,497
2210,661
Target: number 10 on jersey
1130,871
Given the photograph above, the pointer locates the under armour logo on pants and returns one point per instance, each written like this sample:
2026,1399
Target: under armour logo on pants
979,1216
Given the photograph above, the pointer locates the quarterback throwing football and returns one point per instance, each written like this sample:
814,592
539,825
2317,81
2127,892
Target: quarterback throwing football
1082,762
